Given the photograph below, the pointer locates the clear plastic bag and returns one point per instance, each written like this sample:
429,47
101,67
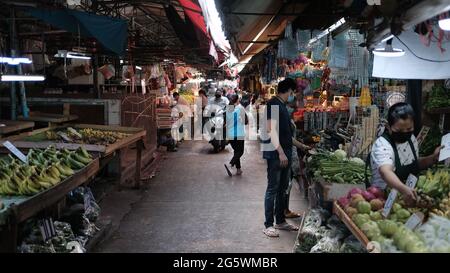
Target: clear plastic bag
92,209
352,245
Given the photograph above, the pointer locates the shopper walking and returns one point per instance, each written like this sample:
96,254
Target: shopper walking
278,153
235,121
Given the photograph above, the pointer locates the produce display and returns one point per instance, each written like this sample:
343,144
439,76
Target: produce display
337,168
391,234
436,234
86,136
433,189
438,98
323,233
44,169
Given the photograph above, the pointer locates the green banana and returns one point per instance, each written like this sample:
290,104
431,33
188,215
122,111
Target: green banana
84,152
81,158
32,189
64,170
74,164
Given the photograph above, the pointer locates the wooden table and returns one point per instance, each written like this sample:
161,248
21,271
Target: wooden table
27,207
51,119
8,127
108,152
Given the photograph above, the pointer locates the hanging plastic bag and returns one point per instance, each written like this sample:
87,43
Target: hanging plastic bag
287,47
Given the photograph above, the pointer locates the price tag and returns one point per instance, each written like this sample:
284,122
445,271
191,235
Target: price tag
423,134
389,203
415,220
47,229
411,181
15,151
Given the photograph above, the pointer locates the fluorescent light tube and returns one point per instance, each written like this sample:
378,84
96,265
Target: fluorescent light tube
138,67
15,61
76,56
71,55
22,78
387,38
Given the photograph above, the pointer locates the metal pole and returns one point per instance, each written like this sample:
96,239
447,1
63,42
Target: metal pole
13,84
95,75
23,98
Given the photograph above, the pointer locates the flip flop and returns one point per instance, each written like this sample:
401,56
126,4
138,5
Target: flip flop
286,226
292,214
228,170
271,232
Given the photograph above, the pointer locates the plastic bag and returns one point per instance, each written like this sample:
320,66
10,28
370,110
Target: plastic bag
287,48
92,209
338,229
352,245
326,245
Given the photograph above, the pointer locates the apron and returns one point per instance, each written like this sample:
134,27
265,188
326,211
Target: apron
401,171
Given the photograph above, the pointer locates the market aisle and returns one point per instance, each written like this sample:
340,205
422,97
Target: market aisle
193,206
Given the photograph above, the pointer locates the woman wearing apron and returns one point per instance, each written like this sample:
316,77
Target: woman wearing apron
395,154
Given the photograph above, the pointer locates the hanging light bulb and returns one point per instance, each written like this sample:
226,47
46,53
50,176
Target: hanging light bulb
445,24
389,51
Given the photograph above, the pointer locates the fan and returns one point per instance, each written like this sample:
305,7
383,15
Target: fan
395,97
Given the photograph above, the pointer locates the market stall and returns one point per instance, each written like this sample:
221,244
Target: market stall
108,141
8,127
38,185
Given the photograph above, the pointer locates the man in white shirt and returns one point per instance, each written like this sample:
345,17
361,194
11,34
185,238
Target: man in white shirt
395,155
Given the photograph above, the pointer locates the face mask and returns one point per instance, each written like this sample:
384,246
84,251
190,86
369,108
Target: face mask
290,110
401,137
291,98
218,96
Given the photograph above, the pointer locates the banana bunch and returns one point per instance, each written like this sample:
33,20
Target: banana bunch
51,135
444,207
44,169
436,185
98,136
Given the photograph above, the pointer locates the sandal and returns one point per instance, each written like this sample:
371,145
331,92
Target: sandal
292,214
271,232
286,226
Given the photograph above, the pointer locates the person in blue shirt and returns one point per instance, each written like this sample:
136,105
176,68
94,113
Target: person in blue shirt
235,120
277,150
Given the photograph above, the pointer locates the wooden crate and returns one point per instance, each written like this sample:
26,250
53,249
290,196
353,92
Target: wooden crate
340,213
330,192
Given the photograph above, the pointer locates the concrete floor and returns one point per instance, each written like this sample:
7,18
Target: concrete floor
193,206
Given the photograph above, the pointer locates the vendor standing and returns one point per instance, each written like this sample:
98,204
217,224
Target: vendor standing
395,154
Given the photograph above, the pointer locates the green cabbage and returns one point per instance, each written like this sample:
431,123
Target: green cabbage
357,161
340,154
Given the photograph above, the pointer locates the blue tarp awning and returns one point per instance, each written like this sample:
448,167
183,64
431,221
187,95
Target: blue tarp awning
110,32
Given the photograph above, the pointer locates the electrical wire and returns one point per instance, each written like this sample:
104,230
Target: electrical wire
421,58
